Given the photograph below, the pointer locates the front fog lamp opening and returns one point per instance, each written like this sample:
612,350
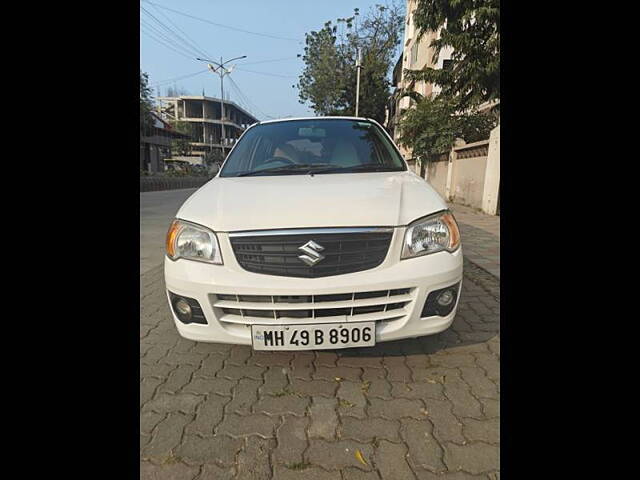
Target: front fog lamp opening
446,297
187,309
441,302
183,309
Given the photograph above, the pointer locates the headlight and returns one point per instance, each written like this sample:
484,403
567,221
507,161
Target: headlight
194,242
430,235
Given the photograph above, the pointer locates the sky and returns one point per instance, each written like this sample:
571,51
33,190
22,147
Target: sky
281,25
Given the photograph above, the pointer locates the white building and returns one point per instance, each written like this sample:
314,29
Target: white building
204,115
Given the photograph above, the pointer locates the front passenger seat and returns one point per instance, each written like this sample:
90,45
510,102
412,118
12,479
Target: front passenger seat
344,155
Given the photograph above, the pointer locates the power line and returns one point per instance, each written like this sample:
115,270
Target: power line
268,74
192,41
225,26
270,61
242,99
170,80
248,100
184,43
171,33
166,38
167,34
163,43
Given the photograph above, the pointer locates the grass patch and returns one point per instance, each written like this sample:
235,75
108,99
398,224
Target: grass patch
298,466
286,391
171,460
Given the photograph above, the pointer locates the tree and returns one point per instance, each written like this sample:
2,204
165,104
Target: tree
323,78
213,157
472,29
328,81
146,104
432,127
182,146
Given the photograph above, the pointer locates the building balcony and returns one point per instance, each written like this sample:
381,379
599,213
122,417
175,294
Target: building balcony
212,121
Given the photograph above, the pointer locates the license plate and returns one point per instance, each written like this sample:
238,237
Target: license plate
313,337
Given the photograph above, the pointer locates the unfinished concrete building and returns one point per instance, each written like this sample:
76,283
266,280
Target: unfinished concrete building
204,115
155,144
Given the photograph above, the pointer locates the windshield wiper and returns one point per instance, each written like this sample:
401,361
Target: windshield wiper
314,168
359,168
310,168
280,169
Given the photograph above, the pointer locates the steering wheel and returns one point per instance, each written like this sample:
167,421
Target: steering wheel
288,161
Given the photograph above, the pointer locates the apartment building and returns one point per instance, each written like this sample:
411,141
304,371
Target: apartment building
470,173
204,115
417,54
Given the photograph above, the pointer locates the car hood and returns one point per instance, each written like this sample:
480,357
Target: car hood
296,201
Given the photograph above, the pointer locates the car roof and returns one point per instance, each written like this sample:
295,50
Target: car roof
360,119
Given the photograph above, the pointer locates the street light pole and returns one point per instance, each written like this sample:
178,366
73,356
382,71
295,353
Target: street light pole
221,71
222,136
358,67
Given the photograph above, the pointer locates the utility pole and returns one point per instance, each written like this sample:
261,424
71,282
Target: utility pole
358,67
221,70
358,61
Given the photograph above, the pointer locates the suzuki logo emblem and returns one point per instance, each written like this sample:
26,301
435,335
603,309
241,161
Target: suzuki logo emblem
312,250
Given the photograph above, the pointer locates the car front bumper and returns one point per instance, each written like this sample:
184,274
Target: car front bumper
202,282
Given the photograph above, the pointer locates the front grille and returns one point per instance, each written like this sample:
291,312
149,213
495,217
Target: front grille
355,306
278,254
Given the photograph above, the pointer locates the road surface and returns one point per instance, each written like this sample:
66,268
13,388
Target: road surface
412,409
157,209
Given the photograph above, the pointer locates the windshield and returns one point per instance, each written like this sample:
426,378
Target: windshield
299,147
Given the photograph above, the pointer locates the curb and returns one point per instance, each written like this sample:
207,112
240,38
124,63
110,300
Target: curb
153,184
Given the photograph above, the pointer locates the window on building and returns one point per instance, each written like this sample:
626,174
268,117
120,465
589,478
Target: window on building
447,64
414,53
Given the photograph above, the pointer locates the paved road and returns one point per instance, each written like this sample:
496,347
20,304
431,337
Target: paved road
480,237
157,209
413,409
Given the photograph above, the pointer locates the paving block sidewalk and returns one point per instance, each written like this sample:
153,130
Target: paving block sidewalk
480,237
423,408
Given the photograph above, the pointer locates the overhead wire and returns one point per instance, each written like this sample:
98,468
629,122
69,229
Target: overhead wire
266,73
186,47
248,100
271,61
148,34
242,101
160,83
168,31
187,37
163,36
277,37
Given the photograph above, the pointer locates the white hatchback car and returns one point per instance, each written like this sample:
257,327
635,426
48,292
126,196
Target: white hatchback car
313,235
